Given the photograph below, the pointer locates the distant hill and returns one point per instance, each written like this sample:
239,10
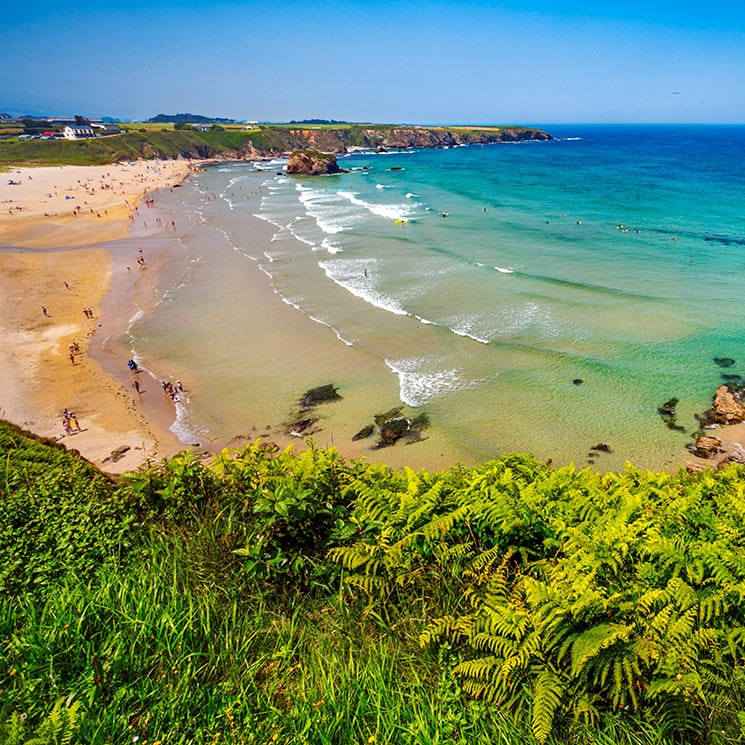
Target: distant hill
191,118
317,121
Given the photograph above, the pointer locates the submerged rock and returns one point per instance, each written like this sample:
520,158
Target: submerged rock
364,432
319,395
668,414
394,427
601,447
724,361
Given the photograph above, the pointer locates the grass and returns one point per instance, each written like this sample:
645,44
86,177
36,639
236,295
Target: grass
192,605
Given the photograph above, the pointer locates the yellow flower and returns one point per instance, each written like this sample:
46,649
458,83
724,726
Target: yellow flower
275,735
371,740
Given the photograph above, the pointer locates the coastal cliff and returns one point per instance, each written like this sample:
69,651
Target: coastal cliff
273,142
254,144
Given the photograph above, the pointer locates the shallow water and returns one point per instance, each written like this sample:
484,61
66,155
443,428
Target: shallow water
477,284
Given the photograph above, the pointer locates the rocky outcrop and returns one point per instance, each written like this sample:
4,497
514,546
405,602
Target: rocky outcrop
726,408
312,163
706,447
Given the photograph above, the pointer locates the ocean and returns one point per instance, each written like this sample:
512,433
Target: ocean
541,297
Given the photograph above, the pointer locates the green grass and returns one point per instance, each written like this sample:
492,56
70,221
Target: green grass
299,598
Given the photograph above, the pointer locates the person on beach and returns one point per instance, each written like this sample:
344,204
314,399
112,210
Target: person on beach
136,386
74,422
66,426
72,358
44,311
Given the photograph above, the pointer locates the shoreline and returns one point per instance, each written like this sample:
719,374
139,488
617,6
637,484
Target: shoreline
40,381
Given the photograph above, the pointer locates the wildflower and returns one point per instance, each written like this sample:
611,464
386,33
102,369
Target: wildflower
371,740
13,671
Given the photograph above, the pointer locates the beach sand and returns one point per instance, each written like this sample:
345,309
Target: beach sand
46,280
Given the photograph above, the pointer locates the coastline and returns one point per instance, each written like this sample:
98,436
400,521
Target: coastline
96,257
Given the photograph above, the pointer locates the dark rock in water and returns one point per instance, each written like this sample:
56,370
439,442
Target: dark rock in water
578,381
364,432
381,419
299,426
668,414
668,408
724,361
733,381
319,395
392,430
601,447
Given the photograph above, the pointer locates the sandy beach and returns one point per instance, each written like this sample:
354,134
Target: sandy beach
51,288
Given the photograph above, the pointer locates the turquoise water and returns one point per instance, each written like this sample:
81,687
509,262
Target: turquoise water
488,279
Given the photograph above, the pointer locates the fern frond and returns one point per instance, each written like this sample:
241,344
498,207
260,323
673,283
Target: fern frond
547,695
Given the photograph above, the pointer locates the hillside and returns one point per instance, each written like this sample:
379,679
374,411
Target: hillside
281,597
236,143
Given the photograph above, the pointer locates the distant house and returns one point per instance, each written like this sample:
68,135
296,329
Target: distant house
201,127
78,131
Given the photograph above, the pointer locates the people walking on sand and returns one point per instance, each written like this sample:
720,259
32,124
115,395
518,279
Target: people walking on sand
136,386
132,365
72,358
44,311
66,425
179,387
74,422
67,287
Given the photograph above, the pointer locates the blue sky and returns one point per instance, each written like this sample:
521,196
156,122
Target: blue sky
415,62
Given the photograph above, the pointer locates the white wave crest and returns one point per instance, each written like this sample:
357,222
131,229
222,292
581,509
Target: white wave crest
357,277
389,211
418,384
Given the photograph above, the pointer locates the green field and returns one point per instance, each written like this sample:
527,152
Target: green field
298,598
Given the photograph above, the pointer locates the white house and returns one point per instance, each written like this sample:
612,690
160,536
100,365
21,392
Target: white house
78,131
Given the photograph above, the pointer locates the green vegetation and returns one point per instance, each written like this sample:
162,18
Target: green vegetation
299,598
231,141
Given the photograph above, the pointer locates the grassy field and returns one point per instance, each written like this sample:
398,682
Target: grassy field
299,598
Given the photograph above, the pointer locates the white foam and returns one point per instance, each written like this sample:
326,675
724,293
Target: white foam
411,195
331,247
183,428
382,186
350,274
504,270
417,385
389,211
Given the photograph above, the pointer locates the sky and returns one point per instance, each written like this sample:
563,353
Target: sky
531,62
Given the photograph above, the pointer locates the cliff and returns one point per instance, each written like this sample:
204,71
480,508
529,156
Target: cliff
233,143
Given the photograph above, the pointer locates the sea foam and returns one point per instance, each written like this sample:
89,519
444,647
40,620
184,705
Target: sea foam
418,384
